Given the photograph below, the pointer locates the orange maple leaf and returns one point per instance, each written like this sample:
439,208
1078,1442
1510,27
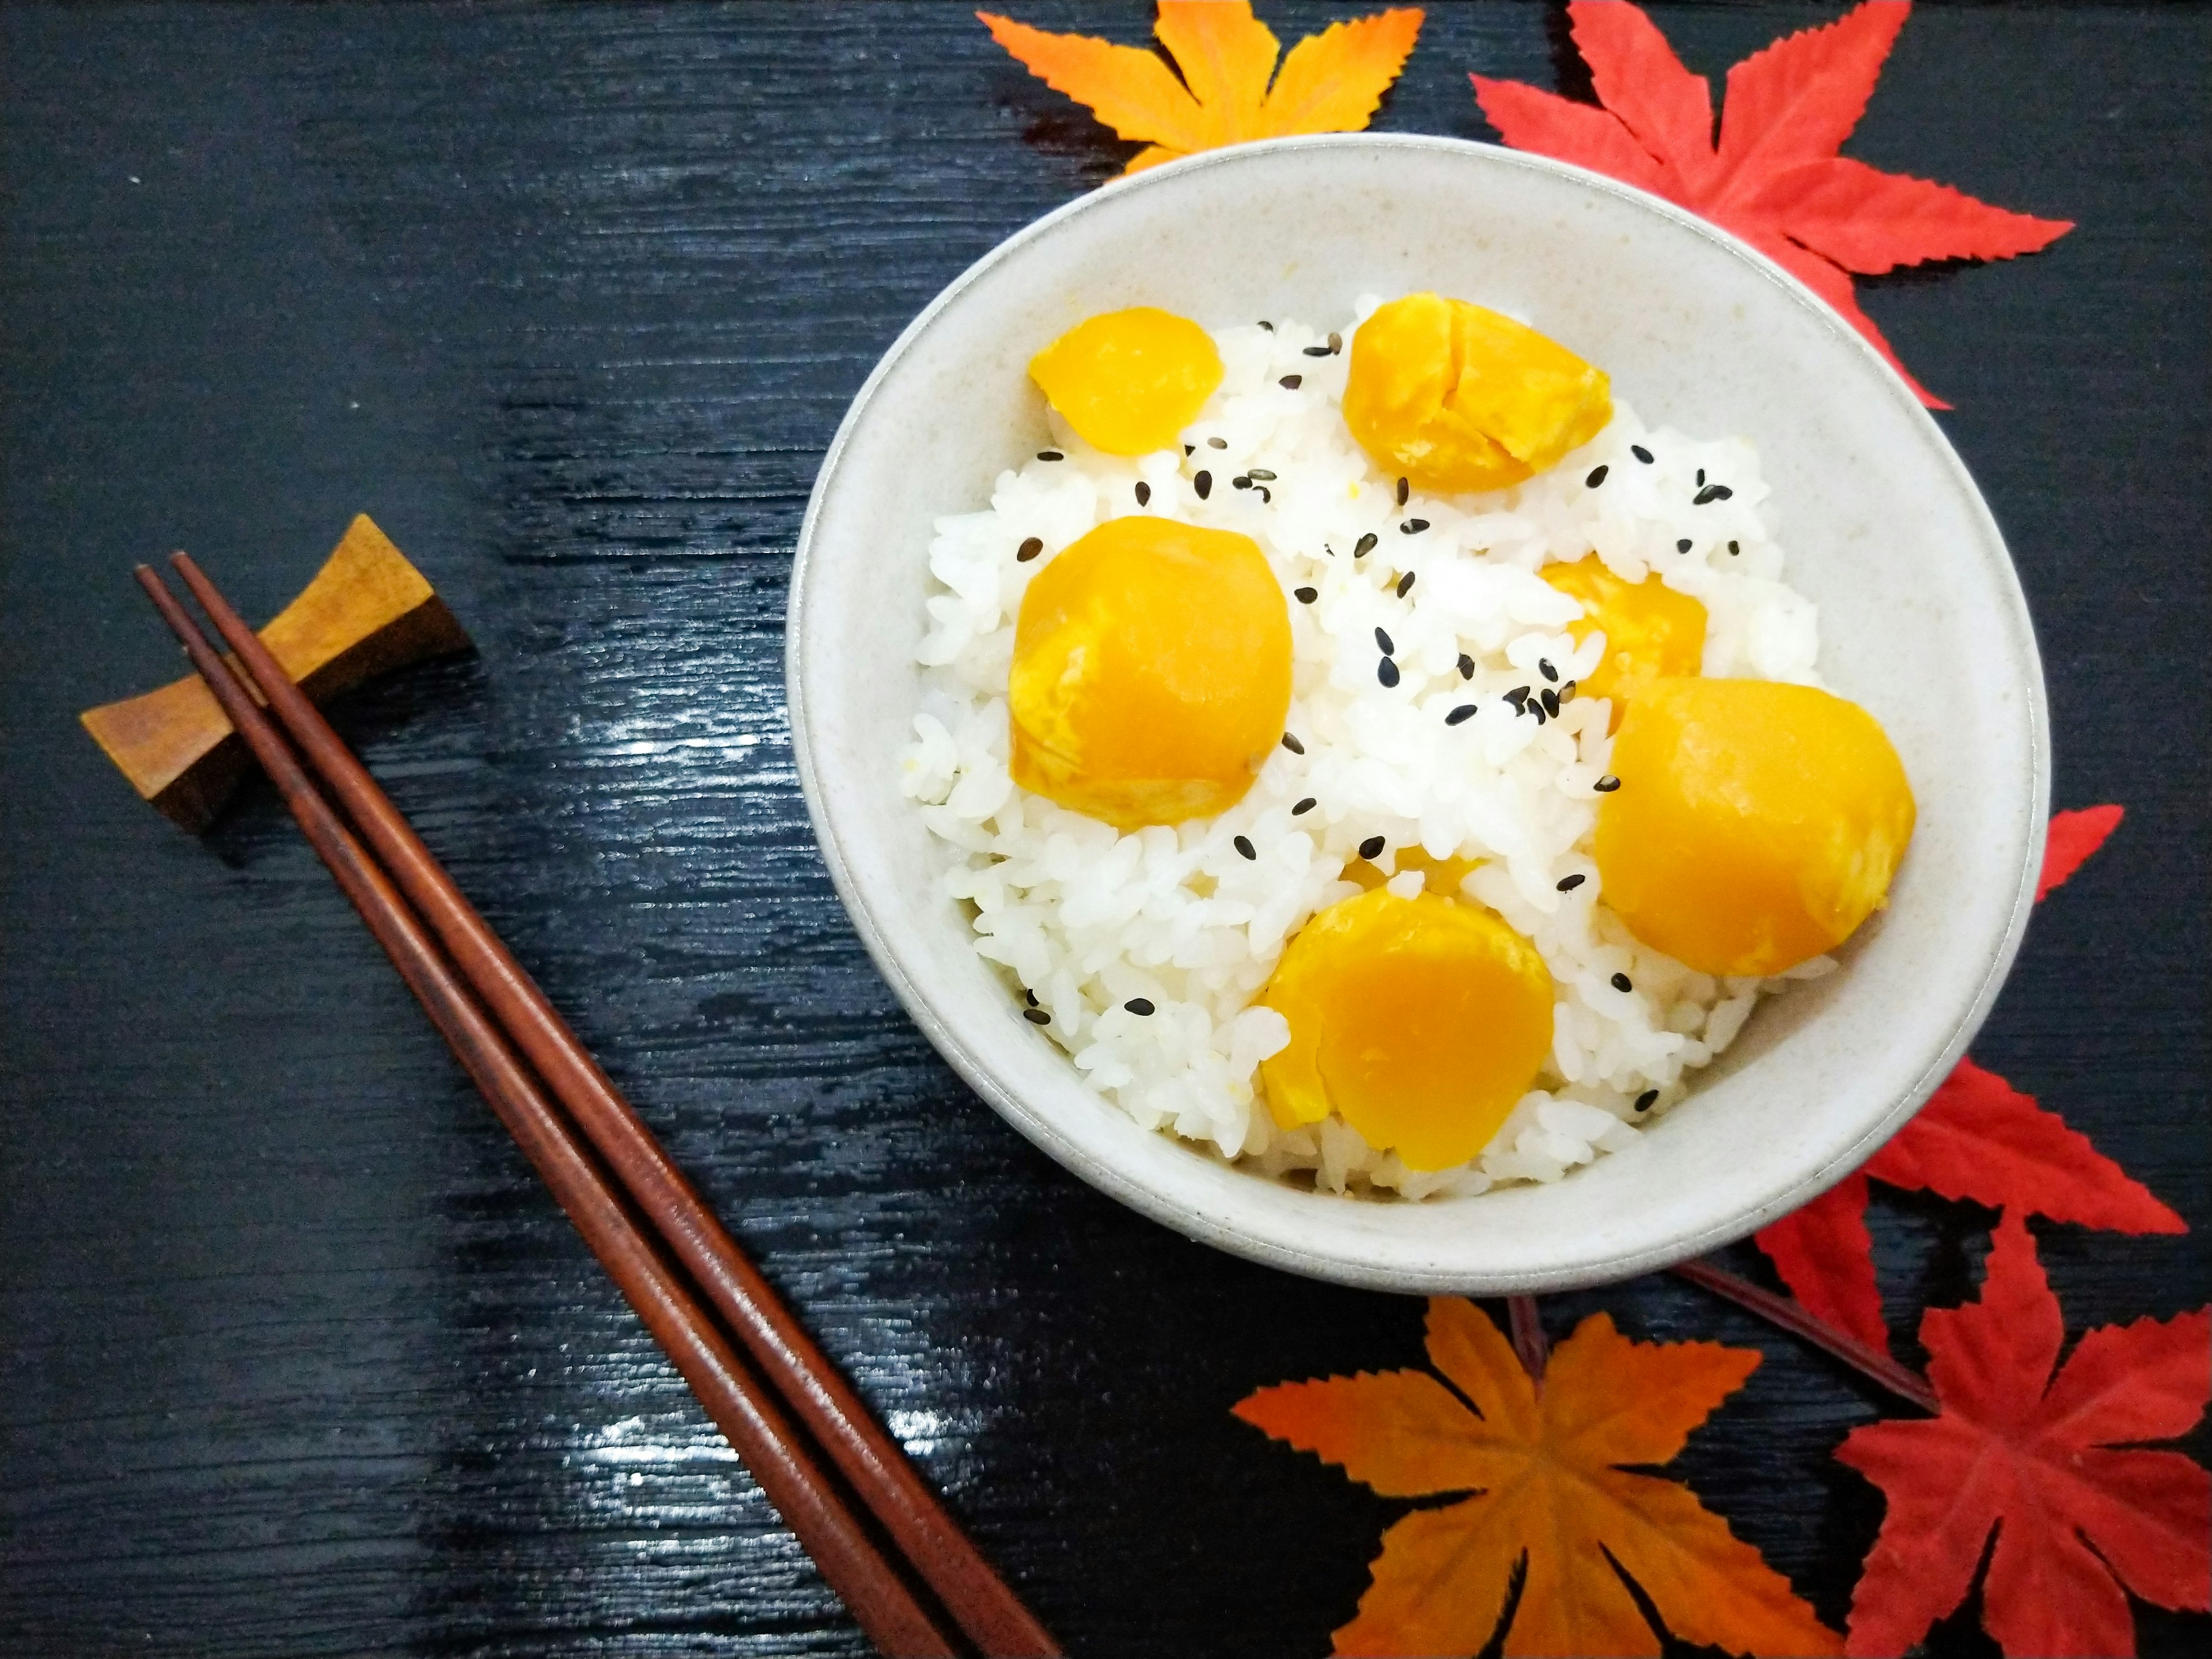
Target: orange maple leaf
1543,1462
1331,81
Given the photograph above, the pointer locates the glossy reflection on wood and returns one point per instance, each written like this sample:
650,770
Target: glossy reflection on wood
886,1610
801,1379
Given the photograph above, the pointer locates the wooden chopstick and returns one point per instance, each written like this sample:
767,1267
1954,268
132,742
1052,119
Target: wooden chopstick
745,1410
978,1600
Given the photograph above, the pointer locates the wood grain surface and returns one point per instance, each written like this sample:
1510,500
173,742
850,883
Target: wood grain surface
295,1356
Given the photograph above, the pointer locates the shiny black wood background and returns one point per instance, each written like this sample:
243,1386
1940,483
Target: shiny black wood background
294,1357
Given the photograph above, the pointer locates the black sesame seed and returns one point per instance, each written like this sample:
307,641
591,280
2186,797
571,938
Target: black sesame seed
1304,807
1144,494
1270,327
1335,343
1405,584
1567,692
1464,712
1365,545
1144,1004
1290,382
1645,1101
1203,483
1382,644
1316,351
1386,671
1188,448
1404,490
1712,493
1466,666
1537,710
1544,667
1596,476
1292,743
1030,997
1217,443
1037,1017
1243,844
1240,481
1029,549
1607,785
1050,455
1551,700
1682,546
1516,696
1732,548
1266,493
1568,883
1261,475
1622,983
1372,849
1305,595
1412,527
1641,454
1722,493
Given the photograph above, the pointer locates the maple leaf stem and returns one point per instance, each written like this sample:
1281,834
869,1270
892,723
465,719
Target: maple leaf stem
1905,1383
1528,1335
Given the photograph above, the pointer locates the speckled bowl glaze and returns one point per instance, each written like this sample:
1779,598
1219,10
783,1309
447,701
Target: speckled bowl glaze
1922,621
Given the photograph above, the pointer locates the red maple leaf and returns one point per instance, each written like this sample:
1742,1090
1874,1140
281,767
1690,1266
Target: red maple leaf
1825,1256
2073,838
1978,1138
2036,1458
1775,178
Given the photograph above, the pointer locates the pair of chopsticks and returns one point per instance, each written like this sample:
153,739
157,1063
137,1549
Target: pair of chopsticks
640,1217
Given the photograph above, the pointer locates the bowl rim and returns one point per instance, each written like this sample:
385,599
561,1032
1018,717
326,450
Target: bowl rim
1228,1233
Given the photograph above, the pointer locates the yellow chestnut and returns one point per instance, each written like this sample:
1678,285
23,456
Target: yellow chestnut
1152,672
1129,381
1420,1021
1455,397
1756,824
1649,629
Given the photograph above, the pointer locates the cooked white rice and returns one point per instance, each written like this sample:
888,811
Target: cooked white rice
1086,917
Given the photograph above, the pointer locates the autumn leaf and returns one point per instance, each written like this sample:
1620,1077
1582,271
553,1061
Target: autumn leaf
1774,176
1331,81
1544,1463
1978,1138
1826,1257
2036,1459
2073,838
1987,1141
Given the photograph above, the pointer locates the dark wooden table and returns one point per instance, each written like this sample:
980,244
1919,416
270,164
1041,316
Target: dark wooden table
298,1358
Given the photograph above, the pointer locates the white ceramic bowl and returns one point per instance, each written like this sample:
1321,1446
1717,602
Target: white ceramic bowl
1922,621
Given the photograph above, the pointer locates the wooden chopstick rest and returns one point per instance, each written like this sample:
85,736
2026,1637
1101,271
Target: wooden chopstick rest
366,612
